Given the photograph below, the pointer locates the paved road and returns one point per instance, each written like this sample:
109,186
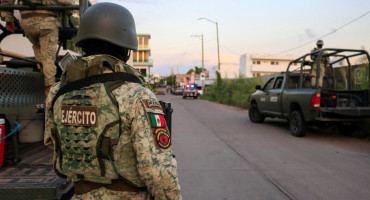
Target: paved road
223,156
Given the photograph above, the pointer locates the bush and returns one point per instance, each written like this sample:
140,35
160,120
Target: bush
233,92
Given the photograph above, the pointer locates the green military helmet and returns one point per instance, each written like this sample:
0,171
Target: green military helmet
320,43
108,22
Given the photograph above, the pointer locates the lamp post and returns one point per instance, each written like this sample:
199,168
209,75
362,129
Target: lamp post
202,59
218,45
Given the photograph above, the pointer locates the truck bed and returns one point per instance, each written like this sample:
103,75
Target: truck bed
33,177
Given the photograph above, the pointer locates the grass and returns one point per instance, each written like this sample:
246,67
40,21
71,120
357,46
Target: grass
233,92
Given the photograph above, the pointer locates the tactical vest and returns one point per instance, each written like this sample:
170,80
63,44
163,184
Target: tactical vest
87,121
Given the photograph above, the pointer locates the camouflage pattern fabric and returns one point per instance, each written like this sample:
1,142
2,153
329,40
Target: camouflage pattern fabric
105,194
43,34
137,156
7,16
323,62
41,28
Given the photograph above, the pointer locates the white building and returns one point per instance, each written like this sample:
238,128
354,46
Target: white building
227,70
253,65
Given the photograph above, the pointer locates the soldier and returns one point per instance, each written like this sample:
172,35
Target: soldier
323,63
108,130
41,28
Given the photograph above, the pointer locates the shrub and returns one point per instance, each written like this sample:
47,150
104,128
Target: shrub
233,92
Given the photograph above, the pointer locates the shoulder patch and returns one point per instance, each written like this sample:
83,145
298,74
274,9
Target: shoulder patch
163,138
157,120
152,104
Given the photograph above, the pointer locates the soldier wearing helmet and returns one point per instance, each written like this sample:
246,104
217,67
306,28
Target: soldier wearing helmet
106,128
323,62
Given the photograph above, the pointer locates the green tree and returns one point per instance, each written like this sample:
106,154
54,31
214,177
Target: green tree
197,70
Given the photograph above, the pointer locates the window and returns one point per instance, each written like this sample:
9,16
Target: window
276,63
258,62
254,62
269,84
143,72
272,62
278,82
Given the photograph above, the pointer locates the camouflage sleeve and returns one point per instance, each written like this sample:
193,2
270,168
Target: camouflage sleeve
49,119
156,166
65,2
7,16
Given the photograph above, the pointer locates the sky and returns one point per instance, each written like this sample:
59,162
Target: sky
245,26
284,27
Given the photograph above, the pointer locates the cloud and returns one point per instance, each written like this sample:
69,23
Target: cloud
310,33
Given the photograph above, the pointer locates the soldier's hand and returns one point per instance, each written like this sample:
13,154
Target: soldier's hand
10,26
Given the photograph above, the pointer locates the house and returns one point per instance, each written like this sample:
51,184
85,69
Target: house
253,65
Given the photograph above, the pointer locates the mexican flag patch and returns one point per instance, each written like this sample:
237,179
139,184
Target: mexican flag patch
157,120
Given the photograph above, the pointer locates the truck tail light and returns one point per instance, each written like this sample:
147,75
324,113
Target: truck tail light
315,101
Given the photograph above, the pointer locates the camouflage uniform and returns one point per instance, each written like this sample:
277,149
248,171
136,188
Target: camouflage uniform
137,154
322,67
41,28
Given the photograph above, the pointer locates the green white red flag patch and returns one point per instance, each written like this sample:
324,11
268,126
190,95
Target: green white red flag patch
157,120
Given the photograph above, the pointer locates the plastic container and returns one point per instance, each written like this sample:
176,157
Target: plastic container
32,129
2,141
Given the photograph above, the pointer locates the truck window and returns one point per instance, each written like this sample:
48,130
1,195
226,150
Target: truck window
269,84
278,82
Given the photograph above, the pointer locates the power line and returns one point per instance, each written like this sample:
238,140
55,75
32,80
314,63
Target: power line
332,32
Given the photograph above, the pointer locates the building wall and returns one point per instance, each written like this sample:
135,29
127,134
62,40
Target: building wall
243,65
229,70
140,59
252,65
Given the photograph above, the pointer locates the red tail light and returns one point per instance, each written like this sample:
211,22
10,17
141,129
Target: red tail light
315,101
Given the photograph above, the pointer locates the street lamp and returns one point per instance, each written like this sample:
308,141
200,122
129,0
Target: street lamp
218,46
202,59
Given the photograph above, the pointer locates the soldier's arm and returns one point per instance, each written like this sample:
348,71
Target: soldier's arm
49,118
157,168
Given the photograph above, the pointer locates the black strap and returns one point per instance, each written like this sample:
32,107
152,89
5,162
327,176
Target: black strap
101,78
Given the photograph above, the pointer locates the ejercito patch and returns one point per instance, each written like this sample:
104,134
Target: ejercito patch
152,103
80,115
163,138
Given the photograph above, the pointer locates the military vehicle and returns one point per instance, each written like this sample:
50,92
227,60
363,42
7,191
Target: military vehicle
343,98
27,171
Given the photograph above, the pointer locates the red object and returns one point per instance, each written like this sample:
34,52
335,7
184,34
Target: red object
2,142
315,101
10,26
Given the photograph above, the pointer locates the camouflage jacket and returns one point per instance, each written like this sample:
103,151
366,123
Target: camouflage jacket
139,155
8,16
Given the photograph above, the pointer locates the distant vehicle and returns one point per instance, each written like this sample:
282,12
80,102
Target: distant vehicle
178,91
200,90
295,95
160,90
190,91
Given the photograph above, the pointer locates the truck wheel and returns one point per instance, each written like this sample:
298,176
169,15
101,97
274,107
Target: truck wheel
255,115
297,125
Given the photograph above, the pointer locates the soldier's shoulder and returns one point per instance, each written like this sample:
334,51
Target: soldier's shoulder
133,91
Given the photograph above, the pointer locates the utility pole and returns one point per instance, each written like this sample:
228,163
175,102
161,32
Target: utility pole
218,44
203,84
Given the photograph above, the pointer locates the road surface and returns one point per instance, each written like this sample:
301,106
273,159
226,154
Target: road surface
221,155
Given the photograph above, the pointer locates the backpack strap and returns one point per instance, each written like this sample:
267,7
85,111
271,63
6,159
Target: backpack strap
100,78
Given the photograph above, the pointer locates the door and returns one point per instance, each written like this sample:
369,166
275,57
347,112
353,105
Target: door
273,101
